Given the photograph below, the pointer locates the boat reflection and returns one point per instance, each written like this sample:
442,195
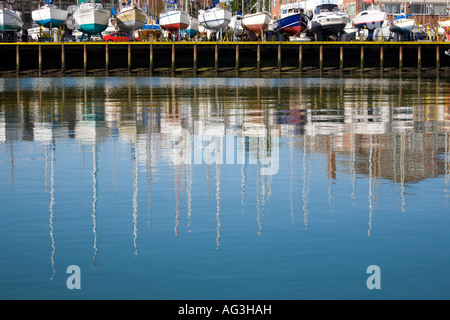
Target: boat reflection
372,132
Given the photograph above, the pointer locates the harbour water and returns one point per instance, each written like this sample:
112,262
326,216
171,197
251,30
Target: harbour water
156,189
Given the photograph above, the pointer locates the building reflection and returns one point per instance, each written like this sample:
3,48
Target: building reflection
374,130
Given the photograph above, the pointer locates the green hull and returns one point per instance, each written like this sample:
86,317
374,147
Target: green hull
93,28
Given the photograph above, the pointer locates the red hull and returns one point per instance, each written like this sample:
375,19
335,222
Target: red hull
256,28
293,31
175,27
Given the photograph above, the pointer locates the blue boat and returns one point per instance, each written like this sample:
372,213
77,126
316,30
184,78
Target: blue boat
293,21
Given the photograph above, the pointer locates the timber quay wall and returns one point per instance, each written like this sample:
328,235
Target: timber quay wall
213,58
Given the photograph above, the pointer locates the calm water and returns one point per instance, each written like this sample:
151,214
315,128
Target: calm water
156,189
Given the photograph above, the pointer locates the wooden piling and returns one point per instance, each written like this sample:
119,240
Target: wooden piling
195,59
341,58
438,59
106,58
40,59
63,59
129,58
279,58
85,58
381,58
258,58
321,58
173,59
17,59
400,58
300,58
419,59
361,65
151,59
216,58
237,59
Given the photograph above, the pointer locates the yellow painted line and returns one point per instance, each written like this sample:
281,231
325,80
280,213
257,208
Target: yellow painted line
292,43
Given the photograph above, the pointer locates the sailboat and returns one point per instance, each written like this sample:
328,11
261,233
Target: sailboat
49,15
217,17
372,18
328,20
10,19
192,29
173,19
131,17
256,22
90,17
236,25
403,25
292,19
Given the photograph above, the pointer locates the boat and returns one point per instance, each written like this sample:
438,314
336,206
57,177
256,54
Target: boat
49,15
372,18
36,31
256,22
328,21
130,16
151,28
174,19
236,25
217,17
402,25
292,20
90,17
10,19
192,29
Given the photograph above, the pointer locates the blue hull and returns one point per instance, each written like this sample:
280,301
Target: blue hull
53,22
292,25
191,32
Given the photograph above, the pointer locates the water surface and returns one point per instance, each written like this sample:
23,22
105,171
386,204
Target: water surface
101,173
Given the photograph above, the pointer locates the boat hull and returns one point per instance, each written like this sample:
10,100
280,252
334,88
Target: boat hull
132,18
174,20
91,20
369,19
49,16
292,25
236,25
215,18
256,22
403,26
10,21
329,26
192,29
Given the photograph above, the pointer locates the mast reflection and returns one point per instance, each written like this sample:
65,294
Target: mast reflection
377,133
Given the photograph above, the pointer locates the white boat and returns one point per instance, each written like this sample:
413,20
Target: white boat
174,19
236,25
192,29
371,19
10,19
402,25
36,31
131,17
49,15
216,18
256,22
328,20
91,17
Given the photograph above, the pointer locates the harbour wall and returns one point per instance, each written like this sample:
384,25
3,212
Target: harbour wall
196,58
